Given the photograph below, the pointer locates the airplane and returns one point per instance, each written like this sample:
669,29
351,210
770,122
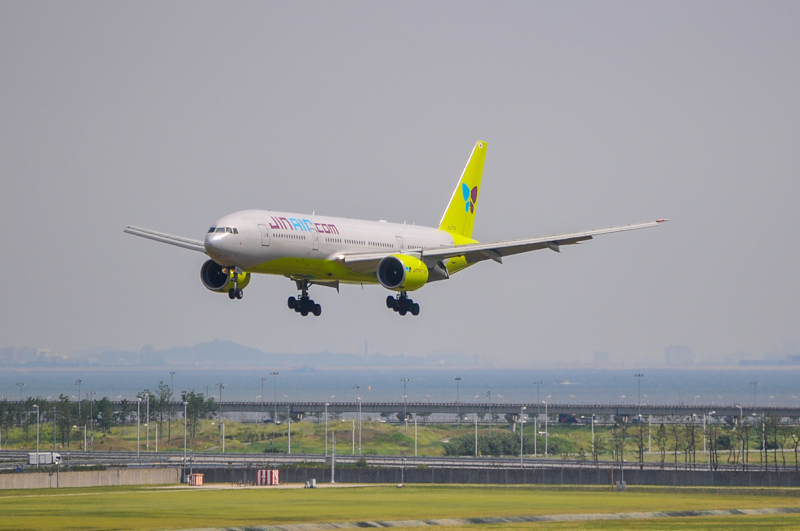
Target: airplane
329,251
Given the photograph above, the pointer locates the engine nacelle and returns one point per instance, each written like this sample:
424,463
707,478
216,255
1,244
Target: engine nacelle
400,272
218,278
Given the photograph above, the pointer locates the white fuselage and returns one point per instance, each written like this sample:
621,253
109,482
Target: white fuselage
262,236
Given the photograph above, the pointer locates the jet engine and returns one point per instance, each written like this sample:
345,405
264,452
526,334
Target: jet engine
400,272
218,278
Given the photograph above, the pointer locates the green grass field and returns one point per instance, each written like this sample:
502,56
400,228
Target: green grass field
142,508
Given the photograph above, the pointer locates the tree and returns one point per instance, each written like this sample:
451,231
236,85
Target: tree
499,443
104,413
162,405
197,407
675,433
640,430
599,447
64,408
661,442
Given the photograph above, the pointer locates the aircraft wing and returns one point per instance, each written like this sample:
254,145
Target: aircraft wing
162,237
477,252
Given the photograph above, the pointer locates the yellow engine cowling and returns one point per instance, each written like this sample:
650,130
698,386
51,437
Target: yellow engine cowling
400,272
218,278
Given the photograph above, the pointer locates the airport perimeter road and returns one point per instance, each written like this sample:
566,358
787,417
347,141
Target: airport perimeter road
14,458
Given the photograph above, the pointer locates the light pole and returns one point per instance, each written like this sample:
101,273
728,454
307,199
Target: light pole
54,428
405,407
274,394
741,427
78,383
262,399
221,386
289,421
639,377
171,396
91,416
333,457
521,432
489,395
545,428
476,425
755,393
458,413
326,428
138,424
37,434
185,404
537,398
146,422
356,387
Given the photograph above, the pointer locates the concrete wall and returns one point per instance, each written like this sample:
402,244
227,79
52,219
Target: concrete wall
97,478
549,476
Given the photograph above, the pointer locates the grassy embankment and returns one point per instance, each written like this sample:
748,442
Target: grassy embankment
377,439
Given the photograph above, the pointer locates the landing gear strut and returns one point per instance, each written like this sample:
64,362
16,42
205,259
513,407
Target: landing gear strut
304,305
235,292
402,304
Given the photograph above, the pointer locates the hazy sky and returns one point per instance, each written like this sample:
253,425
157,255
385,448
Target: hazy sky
170,115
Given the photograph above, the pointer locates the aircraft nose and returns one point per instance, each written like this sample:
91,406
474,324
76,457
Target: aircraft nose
216,248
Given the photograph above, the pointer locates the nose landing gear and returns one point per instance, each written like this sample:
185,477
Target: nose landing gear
304,305
402,304
234,292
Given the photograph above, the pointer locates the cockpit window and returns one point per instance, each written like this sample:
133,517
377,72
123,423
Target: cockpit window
211,230
228,230
220,229
235,231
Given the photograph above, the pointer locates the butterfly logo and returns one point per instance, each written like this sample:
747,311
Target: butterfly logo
470,198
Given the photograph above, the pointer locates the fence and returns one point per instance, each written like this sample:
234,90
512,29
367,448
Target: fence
95,478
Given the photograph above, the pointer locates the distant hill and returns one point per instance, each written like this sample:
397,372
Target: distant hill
217,353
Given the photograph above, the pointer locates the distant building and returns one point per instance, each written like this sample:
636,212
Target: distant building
678,355
601,357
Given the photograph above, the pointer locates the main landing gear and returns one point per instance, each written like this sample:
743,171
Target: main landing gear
402,304
304,305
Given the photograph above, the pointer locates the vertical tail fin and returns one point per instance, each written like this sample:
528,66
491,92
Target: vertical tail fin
459,216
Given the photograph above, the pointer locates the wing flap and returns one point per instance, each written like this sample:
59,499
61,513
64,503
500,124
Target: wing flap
476,252
163,237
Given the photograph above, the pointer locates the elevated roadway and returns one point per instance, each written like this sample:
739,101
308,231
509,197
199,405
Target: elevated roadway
511,408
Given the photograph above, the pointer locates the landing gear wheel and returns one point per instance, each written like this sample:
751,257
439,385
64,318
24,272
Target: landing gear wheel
415,309
304,312
239,294
231,294
317,310
402,311
292,302
390,301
